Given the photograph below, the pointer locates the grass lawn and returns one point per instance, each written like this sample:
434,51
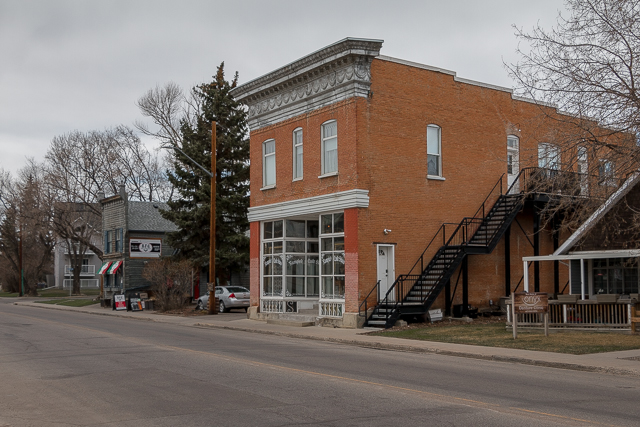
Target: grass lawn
494,334
70,302
8,294
52,293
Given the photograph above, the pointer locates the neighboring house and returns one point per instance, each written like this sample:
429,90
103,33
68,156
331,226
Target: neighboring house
134,233
85,224
603,253
63,273
378,182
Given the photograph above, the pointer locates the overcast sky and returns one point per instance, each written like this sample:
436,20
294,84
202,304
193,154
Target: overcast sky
81,65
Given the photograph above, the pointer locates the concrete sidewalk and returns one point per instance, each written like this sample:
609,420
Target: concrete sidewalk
619,363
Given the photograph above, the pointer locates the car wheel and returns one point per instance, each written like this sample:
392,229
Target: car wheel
246,309
199,306
223,308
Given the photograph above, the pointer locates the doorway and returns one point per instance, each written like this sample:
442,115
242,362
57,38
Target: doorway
513,164
386,271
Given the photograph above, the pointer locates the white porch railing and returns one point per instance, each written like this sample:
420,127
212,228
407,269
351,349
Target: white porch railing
580,315
86,270
271,306
84,283
331,308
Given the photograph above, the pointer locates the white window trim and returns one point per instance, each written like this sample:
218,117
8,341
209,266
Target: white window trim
550,149
326,175
441,175
266,186
322,141
294,156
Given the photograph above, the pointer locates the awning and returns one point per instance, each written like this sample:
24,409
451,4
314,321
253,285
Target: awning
105,267
114,267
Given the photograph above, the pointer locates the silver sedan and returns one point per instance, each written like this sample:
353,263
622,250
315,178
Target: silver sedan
229,297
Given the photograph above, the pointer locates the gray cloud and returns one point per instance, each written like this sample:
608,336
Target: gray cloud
67,65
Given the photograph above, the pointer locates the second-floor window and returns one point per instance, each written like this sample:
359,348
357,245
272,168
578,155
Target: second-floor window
606,172
549,156
434,159
269,163
107,242
118,247
297,154
329,147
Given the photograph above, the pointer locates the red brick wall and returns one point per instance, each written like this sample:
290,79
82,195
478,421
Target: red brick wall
287,189
351,259
382,148
254,262
475,122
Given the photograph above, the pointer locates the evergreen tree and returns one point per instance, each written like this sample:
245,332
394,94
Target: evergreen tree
190,211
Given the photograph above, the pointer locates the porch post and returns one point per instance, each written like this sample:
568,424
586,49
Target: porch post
447,298
526,276
507,261
582,277
465,285
556,263
536,248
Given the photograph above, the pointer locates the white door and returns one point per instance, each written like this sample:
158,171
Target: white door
386,271
513,164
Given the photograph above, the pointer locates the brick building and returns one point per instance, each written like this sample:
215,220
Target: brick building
361,161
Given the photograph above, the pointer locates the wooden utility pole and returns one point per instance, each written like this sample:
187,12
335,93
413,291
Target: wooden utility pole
213,307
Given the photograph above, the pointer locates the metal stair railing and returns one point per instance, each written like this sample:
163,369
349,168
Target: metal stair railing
462,235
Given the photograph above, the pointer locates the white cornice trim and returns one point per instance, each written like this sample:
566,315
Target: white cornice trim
332,74
311,205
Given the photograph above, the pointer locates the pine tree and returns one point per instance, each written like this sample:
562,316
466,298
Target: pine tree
190,211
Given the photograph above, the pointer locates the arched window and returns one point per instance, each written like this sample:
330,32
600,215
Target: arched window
269,163
297,154
434,157
329,147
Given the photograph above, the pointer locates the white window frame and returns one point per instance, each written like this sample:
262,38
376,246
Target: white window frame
298,145
265,156
607,173
324,140
549,156
332,254
582,164
437,154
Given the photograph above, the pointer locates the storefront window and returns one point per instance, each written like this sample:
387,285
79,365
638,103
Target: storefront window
332,256
615,276
292,260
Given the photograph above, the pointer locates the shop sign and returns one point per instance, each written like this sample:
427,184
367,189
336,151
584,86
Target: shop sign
145,248
120,302
530,302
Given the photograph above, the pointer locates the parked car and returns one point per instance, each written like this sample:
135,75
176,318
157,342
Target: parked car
229,296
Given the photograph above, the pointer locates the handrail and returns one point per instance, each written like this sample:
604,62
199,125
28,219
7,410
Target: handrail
489,195
462,226
468,226
366,299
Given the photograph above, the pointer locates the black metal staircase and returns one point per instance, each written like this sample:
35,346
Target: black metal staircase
413,294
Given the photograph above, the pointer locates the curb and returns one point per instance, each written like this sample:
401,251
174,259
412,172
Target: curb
412,349
373,345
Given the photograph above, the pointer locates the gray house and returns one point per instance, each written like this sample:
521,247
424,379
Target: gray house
63,273
134,233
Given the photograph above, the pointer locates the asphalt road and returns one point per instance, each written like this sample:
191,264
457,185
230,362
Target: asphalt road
63,368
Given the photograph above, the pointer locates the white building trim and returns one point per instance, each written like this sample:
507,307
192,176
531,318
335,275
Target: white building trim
311,205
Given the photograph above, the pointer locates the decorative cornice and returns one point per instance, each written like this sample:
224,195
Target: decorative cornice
334,73
311,205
